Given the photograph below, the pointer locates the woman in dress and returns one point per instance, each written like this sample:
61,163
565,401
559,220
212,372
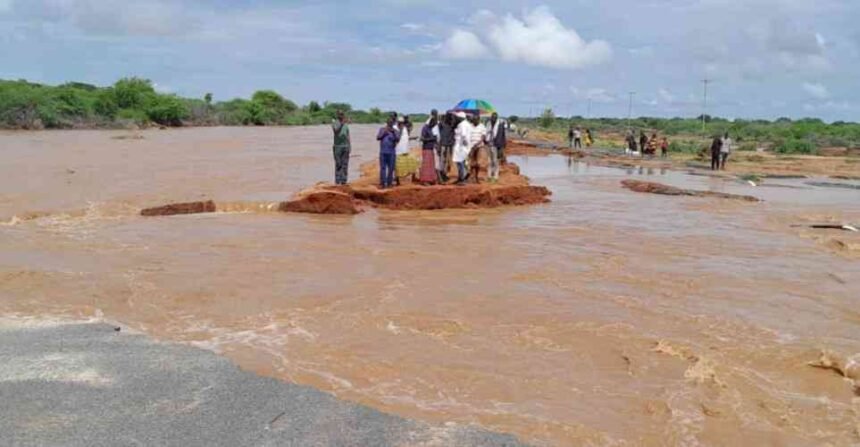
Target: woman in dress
429,139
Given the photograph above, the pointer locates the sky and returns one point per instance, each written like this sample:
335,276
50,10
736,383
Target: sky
764,58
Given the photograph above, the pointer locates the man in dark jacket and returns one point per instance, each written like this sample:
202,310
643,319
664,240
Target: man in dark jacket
497,141
716,147
446,145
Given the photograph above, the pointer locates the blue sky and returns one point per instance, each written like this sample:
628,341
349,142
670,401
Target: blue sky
767,58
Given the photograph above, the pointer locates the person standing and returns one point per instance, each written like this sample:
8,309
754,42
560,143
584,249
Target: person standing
653,144
462,145
643,142
429,140
446,145
570,135
341,148
589,139
478,139
664,147
725,150
497,140
405,164
388,136
577,138
716,149
631,143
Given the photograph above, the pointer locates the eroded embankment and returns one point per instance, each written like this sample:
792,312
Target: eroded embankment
666,190
512,189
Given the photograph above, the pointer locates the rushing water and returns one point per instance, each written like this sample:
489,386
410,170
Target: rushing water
606,317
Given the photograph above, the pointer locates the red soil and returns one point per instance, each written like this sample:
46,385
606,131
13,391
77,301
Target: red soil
512,189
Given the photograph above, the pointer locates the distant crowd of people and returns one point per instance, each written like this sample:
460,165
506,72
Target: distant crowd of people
575,137
647,146
454,139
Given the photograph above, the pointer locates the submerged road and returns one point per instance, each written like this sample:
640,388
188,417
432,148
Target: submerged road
89,385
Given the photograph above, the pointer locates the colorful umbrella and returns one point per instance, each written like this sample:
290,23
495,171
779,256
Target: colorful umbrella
475,105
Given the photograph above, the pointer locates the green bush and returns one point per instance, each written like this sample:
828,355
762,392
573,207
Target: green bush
547,118
167,110
685,147
795,146
133,93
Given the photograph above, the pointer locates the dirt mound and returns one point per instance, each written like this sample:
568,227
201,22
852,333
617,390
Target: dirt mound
323,201
174,209
659,188
443,197
512,189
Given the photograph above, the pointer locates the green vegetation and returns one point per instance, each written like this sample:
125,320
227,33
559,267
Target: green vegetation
802,136
134,101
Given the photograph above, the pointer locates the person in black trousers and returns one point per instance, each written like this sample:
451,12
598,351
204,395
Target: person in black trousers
716,147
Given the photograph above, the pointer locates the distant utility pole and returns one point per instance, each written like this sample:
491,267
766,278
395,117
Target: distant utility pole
630,108
705,83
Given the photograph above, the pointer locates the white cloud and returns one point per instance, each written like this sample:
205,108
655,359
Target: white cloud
666,95
539,38
464,45
106,17
414,27
599,95
816,90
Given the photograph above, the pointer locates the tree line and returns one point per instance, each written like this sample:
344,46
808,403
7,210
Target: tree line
783,135
134,101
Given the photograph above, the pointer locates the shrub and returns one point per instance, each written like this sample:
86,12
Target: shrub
795,146
685,147
547,118
167,110
133,93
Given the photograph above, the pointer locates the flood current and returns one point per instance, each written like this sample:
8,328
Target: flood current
605,317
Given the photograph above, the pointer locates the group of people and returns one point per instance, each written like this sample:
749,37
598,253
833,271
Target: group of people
721,147
647,146
575,137
454,139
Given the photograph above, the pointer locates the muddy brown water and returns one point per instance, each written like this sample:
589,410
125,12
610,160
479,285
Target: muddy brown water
606,317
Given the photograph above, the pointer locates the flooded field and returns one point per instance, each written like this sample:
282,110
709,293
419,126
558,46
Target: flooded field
606,317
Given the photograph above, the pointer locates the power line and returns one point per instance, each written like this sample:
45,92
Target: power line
705,83
630,109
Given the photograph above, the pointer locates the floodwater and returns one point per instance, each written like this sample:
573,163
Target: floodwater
606,317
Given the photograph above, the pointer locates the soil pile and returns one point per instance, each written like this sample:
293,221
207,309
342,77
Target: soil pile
666,190
174,209
512,189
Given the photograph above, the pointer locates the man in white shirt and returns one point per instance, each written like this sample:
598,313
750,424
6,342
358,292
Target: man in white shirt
725,150
462,146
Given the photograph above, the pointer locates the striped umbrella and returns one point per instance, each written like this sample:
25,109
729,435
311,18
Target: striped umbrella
475,106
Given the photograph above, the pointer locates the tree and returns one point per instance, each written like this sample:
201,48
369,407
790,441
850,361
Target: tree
547,118
513,119
133,93
167,110
314,107
208,98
